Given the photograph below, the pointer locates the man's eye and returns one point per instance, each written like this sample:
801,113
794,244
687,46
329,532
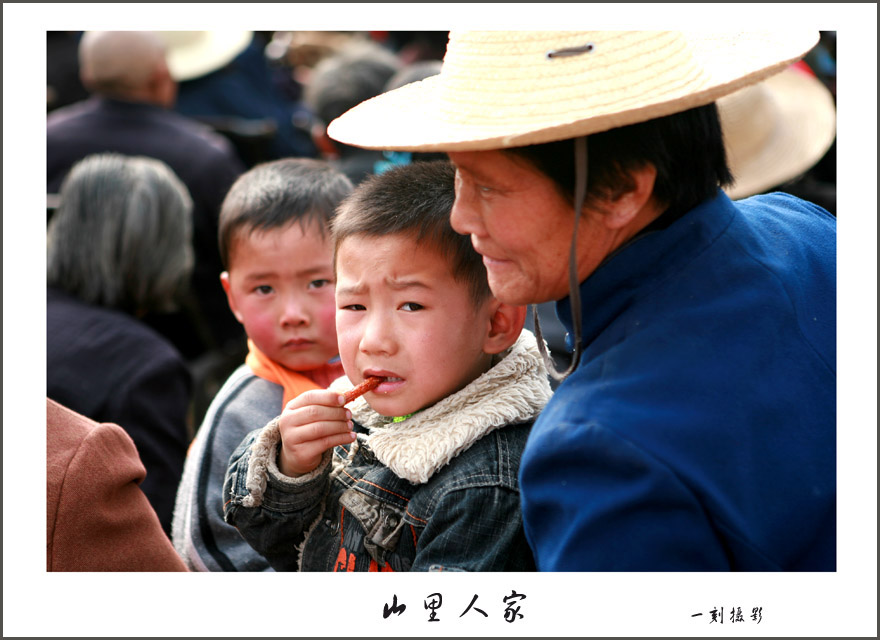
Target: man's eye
353,307
411,306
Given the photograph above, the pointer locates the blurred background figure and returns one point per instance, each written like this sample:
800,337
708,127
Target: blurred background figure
97,517
129,112
118,248
301,51
226,80
357,72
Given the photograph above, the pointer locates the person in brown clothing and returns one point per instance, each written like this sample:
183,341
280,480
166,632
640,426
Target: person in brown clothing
97,517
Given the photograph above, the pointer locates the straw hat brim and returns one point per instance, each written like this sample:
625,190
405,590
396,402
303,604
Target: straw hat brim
193,54
500,89
798,125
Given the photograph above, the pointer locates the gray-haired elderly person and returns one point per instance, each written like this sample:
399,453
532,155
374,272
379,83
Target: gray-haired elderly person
118,248
130,112
696,427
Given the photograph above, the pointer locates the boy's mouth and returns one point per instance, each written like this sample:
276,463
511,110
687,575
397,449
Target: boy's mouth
390,381
298,343
389,384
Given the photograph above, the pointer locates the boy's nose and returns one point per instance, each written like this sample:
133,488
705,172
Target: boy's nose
293,314
377,337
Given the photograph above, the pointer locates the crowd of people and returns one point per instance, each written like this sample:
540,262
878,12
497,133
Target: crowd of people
244,226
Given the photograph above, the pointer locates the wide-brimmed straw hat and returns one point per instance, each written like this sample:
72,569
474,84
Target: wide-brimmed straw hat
502,89
776,130
193,54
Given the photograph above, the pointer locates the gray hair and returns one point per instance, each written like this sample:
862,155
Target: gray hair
122,235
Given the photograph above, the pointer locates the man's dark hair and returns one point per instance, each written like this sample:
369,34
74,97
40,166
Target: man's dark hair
414,200
275,194
686,148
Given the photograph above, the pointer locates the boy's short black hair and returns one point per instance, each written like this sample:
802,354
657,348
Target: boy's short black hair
413,200
275,194
686,148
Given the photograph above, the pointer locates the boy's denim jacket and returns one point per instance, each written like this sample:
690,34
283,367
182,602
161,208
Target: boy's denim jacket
437,491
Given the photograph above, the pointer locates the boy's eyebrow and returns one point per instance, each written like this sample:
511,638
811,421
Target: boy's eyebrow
317,270
259,276
399,285
353,290
392,283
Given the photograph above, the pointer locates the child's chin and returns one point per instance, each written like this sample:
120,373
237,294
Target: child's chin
300,364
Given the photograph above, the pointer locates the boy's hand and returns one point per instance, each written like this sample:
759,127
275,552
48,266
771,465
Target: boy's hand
310,424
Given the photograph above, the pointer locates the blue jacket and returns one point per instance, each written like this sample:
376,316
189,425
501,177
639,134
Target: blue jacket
435,492
698,431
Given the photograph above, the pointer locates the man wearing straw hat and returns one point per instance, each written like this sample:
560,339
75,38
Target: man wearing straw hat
695,428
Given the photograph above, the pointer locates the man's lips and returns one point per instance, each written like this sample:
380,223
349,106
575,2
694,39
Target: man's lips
489,259
493,262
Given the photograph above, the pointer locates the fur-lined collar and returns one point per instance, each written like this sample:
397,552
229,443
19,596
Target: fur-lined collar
512,391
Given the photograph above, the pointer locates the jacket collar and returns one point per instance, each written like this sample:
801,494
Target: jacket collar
514,390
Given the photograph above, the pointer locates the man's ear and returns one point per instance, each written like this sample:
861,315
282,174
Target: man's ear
506,322
324,143
623,207
161,87
224,280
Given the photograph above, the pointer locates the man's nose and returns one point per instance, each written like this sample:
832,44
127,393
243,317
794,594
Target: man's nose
463,217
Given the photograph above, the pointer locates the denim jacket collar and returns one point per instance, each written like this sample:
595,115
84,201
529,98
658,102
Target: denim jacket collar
514,390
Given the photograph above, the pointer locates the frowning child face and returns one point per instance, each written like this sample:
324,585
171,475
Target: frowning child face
401,315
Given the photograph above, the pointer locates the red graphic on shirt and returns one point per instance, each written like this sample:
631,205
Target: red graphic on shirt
385,567
344,561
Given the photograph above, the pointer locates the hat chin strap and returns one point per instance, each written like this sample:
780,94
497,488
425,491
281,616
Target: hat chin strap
580,192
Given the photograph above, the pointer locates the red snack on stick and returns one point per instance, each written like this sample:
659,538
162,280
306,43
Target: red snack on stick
368,384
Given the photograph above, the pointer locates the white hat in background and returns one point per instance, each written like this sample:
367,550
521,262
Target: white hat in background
192,54
776,130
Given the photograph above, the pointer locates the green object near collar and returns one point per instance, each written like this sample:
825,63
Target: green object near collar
401,418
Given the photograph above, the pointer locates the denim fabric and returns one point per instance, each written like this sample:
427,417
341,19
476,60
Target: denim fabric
357,515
